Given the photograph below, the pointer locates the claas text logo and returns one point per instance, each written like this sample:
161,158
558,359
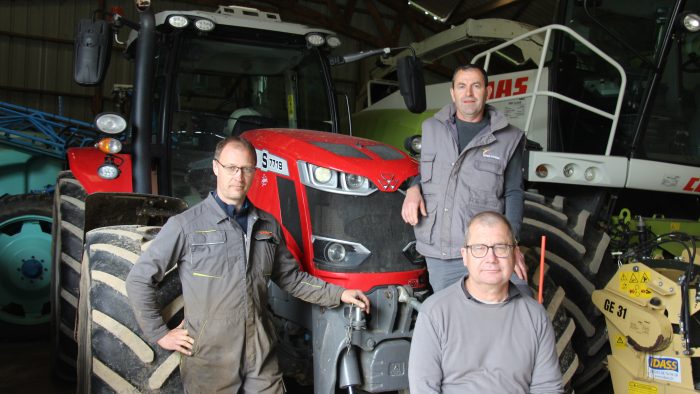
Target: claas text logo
667,364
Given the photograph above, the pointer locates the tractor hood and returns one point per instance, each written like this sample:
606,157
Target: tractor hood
384,165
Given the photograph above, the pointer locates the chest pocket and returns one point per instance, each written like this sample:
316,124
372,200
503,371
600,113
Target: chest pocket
208,254
264,252
487,187
427,162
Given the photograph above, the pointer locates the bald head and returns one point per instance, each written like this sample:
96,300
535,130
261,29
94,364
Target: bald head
489,219
234,140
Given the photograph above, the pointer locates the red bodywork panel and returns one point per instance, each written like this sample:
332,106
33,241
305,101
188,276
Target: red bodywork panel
84,162
295,145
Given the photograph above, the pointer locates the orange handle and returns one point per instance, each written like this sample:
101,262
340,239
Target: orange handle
542,252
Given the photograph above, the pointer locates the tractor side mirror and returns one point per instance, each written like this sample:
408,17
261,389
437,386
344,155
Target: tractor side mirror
91,51
411,83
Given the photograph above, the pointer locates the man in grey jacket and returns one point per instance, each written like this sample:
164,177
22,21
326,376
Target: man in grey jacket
481,335
471,160
226,250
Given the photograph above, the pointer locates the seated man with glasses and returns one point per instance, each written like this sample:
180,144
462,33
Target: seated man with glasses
481,334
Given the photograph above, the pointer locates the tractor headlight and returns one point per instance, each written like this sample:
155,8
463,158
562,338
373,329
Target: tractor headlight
691,22
333,41
108,171
334,181
204,25
178,21
354,182
110,123
315,39
322,175
109,145
337,252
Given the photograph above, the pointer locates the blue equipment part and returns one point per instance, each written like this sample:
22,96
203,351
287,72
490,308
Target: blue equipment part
42,132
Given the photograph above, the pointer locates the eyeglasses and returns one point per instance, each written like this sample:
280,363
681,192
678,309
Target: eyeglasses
234,170
500,250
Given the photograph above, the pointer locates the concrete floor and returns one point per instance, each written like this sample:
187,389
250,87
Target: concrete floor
25,367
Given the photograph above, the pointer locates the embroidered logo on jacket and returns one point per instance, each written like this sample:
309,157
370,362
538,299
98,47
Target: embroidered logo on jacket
485,153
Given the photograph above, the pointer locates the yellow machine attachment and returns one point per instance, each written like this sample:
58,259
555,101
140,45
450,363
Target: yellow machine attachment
653,340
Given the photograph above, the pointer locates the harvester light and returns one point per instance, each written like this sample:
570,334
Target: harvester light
335,252
691,22
109,145
178,21
354,182
204,25
589,174
110,123
108,171
333,41
322,175
413,144
315,39
569,170
541,171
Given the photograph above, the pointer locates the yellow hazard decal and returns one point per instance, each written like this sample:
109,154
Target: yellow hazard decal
641,388
620,341
635,283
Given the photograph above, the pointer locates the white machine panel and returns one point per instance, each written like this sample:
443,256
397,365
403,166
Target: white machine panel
664,177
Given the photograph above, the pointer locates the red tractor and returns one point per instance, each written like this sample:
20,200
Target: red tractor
201,76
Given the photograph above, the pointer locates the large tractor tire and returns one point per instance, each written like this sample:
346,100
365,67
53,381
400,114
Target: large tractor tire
578,262
25,266
113,356
67,233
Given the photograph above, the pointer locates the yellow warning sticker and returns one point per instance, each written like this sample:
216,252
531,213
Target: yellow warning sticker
641,388
620,341
635,283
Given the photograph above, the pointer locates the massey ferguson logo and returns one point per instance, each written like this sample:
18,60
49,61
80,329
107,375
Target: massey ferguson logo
387,181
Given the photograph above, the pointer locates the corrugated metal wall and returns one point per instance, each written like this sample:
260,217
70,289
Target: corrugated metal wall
36,52
36,55
36,49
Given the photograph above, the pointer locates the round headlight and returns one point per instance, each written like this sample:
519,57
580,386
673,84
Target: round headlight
110,123
322,175
333,41
541,171
691,22
569,170
589,174
413,144
109,145
354,182
315,39
108,171
178,21
204,25
335,253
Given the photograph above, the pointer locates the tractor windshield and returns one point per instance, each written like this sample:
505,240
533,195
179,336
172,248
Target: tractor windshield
221,88
671,131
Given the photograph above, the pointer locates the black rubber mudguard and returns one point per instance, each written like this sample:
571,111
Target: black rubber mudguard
116,209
